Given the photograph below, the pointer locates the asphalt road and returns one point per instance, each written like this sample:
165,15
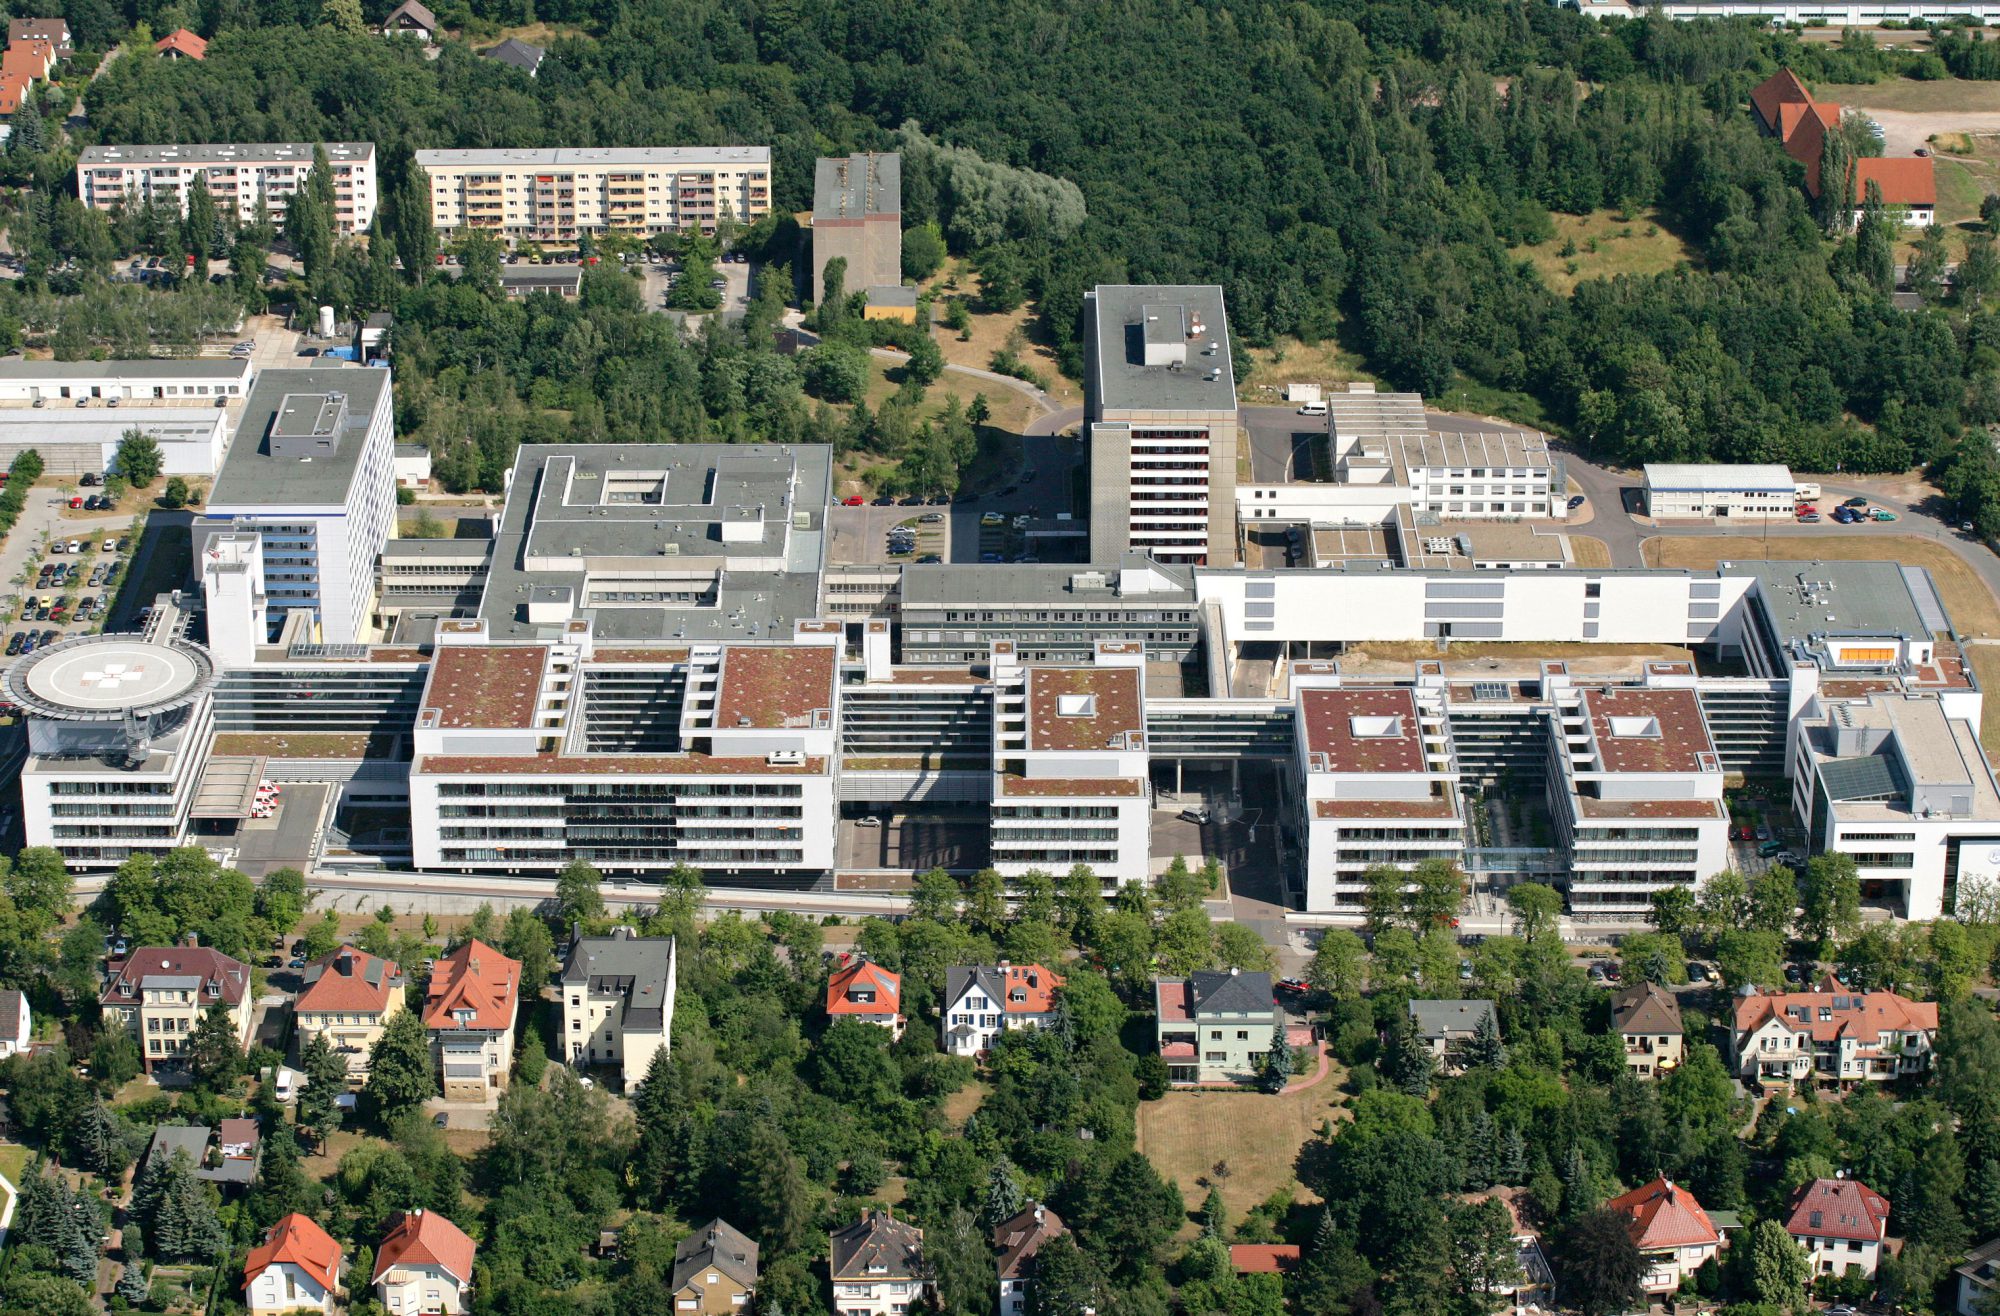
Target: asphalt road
1041,491
861,534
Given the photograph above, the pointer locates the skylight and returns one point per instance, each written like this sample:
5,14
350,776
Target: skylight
1636,728
1374,727
1076,705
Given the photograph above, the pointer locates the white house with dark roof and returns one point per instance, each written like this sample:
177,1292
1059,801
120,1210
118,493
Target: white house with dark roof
1447,1026
982,1001
876,1265
618,1001
1018,1240
160,993
16,1026
1215,1027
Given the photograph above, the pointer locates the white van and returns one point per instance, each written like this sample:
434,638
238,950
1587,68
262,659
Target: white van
1805,491
1313,409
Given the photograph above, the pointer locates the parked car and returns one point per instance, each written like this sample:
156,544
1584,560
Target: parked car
50,637
992,518
1855,502
1292,986
14,642
1808,518
1576,501
1771,848
853,500
869,820
1884,514
929,558
931,518
89,480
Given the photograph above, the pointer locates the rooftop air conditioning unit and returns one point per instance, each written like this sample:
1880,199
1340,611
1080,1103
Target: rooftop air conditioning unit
785,758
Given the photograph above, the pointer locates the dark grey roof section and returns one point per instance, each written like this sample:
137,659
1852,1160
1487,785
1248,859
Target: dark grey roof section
1448,1019
1182,329
856,186
562,279
1808,601
518,54
944,584
639,969
717,1245
194,1140
254,475
877,1246
1231,993
1870,778
150,368
417,12
10,1010
561,514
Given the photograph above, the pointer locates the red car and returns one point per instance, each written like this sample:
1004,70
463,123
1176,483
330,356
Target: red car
853,500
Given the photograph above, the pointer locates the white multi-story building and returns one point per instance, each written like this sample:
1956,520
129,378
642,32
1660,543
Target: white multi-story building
1069,766
470,1004
1831,1034
119,730
1378,784
1161,422
1901,787
159,994
1635,792
424,1266
173,382
618,1002
558,194
238,177
312,474
634,758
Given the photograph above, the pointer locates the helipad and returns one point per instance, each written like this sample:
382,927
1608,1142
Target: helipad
104,676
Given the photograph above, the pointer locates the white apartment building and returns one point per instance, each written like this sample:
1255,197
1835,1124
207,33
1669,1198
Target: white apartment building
1902,787
1718,490
876,1265
238,177
311,473
1069,766
558,194
718,755
618,1002
1635,792
1161,422
1831,1034
85,442
1378,785
119,730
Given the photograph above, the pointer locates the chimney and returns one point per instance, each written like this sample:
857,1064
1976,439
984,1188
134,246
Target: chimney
191,941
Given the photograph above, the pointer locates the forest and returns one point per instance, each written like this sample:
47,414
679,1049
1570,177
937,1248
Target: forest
1369,176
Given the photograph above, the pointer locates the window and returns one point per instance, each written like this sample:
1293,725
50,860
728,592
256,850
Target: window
1242,1034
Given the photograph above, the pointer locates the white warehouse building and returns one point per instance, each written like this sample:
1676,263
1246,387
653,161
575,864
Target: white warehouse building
1673,490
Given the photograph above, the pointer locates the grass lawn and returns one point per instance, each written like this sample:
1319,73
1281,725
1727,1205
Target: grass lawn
989,332
1589,552
1256,1136
13,1161
1971,605
1946,95
1010,412
1289,361
1601,246
964,1101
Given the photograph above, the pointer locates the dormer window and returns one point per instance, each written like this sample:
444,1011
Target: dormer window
461,1016
862,995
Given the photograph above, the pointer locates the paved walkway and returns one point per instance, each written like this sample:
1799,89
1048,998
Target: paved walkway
1318,1076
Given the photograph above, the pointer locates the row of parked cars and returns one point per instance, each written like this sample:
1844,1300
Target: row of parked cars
1852,511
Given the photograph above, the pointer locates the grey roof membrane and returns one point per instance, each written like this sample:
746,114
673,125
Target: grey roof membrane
1129,316
253,477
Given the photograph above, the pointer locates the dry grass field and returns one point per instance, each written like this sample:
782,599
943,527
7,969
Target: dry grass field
1589,552
1256,1136
1944,96
1605,246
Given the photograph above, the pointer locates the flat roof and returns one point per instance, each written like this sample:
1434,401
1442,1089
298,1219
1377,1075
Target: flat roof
1480,449
997,585
1124,382
251,477
775,686
64,425
1649,729
853,187
587,157
1711,477
1085,708
1366,414
201,368
1807,601
225,153
1364,730
101,678
492,687
561,515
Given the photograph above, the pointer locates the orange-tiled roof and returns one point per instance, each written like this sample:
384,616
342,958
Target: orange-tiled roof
1664,1214
33,58
349,981
182,42
1263,1258
299,1240
474,977
14,89
1019,988
425,1238
1905,180
1838,1208
1770,96
1864,1016
886,986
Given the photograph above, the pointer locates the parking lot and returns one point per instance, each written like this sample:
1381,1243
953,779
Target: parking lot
1041,491
932,837
67,592
737,281
862,534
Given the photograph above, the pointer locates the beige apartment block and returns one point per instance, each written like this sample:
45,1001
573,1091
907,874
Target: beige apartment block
238,177
160,993
559,194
